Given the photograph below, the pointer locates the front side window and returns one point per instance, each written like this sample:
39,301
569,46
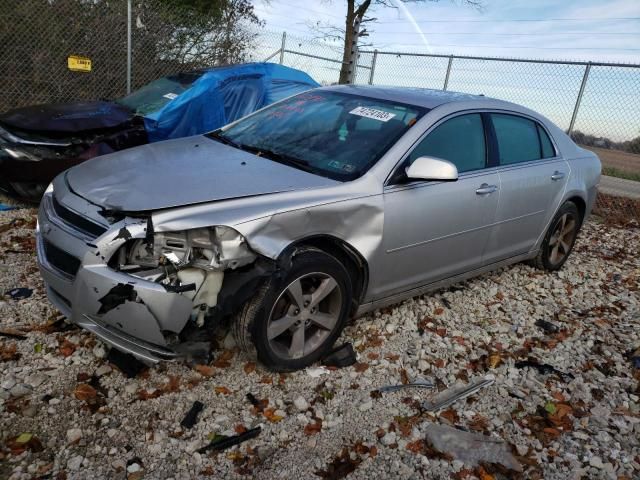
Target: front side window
520,139
333,134
459,140
155,95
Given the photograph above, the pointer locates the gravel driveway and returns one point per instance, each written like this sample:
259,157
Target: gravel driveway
65,412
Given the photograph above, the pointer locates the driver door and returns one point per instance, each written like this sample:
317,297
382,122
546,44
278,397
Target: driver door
434,229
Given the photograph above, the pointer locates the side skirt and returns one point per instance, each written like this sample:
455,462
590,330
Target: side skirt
430,287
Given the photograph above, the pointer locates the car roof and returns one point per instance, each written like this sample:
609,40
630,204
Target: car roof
422,97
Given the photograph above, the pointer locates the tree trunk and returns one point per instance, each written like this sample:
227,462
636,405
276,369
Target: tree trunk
348,39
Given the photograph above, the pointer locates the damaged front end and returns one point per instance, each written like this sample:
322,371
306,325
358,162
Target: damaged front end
156,295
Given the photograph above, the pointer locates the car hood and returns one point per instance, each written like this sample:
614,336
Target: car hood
182,172
66,118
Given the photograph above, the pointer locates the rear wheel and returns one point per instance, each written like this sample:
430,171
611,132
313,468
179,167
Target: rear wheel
560,238
294,321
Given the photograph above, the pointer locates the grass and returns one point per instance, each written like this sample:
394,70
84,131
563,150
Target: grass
616,172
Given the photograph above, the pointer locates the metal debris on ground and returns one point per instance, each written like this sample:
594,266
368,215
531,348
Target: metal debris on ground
340,357
126,363
191,418
470,448
19,293
452,395
544,368
416,384
546,326
220,444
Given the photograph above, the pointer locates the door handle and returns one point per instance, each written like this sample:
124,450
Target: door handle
486,189
557,175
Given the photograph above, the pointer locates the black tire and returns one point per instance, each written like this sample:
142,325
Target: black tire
546,259
311,267
29,192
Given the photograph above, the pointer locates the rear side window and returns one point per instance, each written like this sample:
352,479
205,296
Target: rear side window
517,137
459,140
545,143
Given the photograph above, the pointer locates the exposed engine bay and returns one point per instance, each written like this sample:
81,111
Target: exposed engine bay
192,263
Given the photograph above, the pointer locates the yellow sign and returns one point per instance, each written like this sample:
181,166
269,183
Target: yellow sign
77,63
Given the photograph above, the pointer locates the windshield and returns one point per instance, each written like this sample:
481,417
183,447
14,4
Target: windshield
158,93
336,135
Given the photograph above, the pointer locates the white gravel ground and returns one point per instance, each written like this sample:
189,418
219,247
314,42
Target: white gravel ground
585,427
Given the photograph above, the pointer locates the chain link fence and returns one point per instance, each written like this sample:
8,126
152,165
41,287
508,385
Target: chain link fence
598,103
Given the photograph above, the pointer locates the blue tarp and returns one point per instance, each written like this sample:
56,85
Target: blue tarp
223,95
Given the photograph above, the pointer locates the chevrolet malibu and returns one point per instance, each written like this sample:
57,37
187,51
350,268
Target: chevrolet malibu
321,207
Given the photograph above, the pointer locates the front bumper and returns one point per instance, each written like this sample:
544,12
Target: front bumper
127,312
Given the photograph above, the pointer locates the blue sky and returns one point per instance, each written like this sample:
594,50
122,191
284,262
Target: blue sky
569,29
579,30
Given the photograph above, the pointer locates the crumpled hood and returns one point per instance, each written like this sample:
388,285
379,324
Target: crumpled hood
66,117
183,172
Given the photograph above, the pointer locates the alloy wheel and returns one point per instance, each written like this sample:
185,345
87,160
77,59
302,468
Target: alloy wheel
304,315
562,238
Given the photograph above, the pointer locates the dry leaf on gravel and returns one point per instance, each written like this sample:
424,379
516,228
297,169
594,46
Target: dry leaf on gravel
313,428
249,367
223,390
9,352
85,392
205,370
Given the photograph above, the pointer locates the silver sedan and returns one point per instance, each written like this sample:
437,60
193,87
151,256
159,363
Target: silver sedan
321,207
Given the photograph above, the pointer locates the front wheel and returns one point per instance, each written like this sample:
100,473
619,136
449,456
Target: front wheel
294,320
560,238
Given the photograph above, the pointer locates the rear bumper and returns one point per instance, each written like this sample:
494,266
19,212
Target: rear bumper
126,312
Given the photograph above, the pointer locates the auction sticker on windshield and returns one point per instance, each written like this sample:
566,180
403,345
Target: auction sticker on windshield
373,113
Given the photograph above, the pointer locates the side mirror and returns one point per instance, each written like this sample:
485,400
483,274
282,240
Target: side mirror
431,168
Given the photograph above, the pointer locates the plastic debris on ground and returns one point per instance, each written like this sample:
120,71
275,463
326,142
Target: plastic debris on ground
316,372
470,448
4,207
340,357
191,418
126,363
222,443
455,393
547,327
19,293
544,368
417,384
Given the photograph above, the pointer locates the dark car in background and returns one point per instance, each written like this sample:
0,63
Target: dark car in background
38,142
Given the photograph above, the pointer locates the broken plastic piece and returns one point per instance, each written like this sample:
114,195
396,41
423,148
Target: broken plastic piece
470,448
416,384
19,293
548,327
452,395
4,208
126,363
340,357
191,417
224,443
317,372
544,368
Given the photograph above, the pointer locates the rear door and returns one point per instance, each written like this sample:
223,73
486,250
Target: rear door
533,177
434,230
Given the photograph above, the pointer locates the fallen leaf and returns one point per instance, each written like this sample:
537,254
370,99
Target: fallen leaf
224,359
223,390
205,370
85,392
239,429
392,357
9,352
269,414
249,367
267,380
494,360
416,446
373,355
438,311
313,428
360,367
67,348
